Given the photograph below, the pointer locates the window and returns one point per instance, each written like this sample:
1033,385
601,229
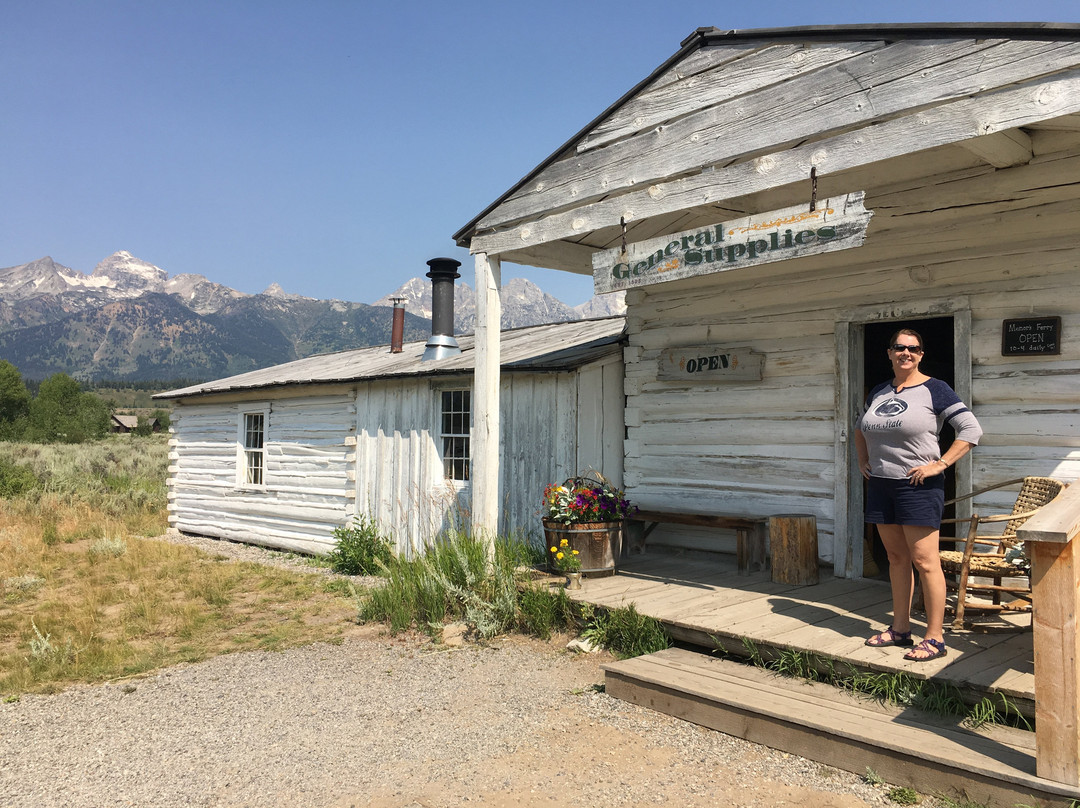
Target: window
254,461
456,420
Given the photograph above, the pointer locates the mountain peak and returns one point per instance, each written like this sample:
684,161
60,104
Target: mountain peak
275,291
126,273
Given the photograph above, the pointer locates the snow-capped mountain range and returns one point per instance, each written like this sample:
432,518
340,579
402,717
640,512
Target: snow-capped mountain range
128,319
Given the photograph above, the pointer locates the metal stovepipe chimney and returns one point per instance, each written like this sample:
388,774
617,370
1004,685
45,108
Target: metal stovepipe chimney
397,325
442,344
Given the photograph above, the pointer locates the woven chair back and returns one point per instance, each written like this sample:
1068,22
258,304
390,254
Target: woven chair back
1034,493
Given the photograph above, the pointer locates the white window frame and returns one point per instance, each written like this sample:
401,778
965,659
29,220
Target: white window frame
249,457
451,434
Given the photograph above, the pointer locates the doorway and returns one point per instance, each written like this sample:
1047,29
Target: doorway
939,360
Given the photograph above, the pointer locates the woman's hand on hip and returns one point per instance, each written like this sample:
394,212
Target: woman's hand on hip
918,474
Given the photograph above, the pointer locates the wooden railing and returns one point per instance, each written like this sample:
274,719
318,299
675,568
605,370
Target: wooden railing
1055,580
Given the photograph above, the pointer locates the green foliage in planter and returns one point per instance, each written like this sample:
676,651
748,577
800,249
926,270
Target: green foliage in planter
361,549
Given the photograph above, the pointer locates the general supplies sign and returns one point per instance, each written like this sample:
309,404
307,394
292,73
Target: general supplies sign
709,363
838,223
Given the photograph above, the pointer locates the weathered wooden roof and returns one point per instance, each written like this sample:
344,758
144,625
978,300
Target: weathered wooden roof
731,124
553,346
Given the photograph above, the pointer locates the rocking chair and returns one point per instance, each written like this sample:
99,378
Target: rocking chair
996,556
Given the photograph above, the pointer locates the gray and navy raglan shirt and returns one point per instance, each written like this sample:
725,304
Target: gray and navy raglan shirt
901,428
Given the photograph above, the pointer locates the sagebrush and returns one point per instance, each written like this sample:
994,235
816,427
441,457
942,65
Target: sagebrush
361,548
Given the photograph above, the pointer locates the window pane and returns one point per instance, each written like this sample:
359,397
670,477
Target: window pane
254,474
253,435
454,420
253,430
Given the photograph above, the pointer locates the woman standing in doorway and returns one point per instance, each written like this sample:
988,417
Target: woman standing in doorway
897,442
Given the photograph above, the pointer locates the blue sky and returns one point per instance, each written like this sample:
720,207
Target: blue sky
332,147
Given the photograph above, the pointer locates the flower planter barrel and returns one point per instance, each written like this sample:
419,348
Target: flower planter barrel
599,544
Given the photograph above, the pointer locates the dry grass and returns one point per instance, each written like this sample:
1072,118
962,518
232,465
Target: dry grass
85,597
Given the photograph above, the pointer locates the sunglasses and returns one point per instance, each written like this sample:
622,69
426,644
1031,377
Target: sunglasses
898,348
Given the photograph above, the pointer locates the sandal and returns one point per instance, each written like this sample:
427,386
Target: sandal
930,649
891,636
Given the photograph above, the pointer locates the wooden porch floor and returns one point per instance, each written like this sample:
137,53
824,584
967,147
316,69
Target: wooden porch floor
705,602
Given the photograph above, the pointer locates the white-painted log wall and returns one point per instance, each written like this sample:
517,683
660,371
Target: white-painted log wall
767,447
374,450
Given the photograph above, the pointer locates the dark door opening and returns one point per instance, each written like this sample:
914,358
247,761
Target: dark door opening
938,361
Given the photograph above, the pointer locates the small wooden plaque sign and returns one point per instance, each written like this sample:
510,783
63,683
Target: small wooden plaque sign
1040,335
708,363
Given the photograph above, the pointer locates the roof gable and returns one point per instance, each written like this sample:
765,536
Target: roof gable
738,113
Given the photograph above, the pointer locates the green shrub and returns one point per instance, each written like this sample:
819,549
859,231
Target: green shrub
543,611
904,796
453,580
361,549
15,479
626,632
107,547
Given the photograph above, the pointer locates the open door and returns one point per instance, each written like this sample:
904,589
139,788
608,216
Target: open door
938,361
862,363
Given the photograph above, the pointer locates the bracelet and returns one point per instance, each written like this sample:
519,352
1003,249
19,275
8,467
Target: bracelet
942,462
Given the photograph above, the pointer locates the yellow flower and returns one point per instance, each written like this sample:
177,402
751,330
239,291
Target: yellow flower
576,552
554,549
564,543
559,556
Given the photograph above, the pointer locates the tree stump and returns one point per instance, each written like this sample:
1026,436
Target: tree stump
794,545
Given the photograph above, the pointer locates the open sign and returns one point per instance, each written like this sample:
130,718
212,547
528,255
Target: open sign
710,363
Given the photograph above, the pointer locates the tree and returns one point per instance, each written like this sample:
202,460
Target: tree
14,402
62,412
163,419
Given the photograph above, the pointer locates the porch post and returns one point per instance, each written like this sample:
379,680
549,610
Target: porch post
486,428
1051,536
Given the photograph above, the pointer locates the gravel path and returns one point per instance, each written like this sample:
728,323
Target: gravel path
382,721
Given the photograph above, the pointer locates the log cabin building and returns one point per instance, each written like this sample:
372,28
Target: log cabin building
776,203
282,456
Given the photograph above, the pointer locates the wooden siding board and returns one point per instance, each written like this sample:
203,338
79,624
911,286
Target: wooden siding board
613,402
566,429
590,420
702,60
752,72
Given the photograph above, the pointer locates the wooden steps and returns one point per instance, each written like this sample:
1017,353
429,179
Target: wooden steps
705,603
905,747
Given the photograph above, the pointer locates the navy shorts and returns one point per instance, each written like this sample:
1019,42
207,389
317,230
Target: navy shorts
898,502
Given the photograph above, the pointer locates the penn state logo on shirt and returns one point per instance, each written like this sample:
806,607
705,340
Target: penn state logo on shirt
890,408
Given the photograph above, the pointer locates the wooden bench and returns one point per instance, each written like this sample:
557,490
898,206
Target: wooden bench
750,532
